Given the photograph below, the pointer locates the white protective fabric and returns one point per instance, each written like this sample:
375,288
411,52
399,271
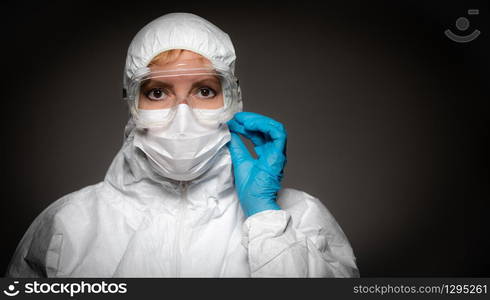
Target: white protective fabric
186,148
137,223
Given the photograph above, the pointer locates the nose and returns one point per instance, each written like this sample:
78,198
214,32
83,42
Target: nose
183,96
183,100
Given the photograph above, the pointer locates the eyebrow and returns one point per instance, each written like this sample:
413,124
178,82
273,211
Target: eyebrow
203,81
151,83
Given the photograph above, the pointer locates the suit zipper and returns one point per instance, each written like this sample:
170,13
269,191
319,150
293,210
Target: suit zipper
178,230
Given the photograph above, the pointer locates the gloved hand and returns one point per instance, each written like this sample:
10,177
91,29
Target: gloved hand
258,180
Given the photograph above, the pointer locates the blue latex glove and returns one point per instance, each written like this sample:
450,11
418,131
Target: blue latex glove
258,180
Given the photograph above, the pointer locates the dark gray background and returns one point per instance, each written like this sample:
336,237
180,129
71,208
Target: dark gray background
387,118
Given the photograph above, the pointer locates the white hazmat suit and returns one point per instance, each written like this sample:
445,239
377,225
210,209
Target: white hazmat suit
137,223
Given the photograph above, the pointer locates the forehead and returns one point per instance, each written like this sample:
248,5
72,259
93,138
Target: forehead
191,78
186,59
183,81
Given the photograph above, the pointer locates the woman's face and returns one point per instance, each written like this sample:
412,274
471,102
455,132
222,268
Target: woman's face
196,88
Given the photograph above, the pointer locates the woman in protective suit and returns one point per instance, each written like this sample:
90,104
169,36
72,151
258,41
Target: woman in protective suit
184,197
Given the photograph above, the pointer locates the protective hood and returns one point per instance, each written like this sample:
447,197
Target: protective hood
179,31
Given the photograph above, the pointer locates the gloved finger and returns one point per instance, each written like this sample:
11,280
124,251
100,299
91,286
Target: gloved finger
257,138
274,161
256,122
241,116
238,150
259,150
266,125
235,126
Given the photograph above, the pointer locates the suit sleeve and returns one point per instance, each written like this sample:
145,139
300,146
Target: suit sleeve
300,240
38,252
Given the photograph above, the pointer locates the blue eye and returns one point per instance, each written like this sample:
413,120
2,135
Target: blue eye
156,94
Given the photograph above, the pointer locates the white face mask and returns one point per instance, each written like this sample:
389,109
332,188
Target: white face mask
184,149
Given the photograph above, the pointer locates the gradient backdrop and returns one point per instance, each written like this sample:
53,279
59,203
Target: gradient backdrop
387,118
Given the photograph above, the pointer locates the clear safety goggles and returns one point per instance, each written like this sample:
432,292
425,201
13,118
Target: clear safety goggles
212,93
